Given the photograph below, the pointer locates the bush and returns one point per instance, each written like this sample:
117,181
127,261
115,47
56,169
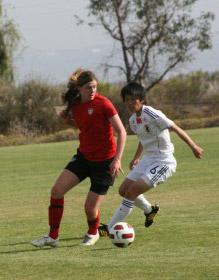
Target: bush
198,122
62,135
19,139
36,101
187,96
29,108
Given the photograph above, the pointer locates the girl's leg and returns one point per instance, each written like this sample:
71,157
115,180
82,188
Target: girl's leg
63,184
130,190
142,203
92,210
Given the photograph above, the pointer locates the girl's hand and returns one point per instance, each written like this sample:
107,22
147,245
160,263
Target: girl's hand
197,151
133,163
115,167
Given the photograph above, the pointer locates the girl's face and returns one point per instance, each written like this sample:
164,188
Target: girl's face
88,91
133,104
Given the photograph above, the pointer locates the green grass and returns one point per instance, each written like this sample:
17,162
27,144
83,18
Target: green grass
182,244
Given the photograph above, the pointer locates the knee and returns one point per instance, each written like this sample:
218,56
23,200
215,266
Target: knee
131,193
126,191
56,192
122,192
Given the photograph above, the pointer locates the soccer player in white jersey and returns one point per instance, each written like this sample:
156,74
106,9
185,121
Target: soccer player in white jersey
153,162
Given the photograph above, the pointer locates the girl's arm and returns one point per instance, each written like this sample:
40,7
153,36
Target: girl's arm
121,137
137,156
197,151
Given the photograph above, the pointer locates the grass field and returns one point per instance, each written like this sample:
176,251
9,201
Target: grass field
183,243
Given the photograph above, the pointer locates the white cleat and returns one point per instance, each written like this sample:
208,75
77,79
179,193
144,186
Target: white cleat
45,241
90,239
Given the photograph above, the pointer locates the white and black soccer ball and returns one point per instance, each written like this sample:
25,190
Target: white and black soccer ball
122,234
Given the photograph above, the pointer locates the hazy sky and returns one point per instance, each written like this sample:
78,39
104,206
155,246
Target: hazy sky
53,46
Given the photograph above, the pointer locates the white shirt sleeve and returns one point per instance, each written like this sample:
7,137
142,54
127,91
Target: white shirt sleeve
163,122
159,118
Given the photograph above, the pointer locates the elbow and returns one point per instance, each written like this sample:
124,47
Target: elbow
121,134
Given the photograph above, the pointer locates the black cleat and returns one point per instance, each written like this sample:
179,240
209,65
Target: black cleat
103,230
150,216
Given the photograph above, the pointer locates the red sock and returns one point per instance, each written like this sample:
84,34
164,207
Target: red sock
55,215
93,225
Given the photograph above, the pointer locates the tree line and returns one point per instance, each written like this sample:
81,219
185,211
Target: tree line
31,107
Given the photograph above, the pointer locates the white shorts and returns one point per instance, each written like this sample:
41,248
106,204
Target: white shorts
153,171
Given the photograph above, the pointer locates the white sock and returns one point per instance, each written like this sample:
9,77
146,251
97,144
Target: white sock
142,203
122,212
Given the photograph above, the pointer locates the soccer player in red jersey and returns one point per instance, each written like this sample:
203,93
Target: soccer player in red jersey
98,156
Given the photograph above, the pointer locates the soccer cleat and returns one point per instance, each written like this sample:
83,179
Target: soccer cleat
45,241
103,230
90,239
150,216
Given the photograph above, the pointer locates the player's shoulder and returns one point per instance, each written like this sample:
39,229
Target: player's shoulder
105,105
151,112
100,99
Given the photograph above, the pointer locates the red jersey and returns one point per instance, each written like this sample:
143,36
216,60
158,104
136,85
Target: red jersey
96,137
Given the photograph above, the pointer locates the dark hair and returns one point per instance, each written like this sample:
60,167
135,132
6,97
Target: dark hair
79,78
134,90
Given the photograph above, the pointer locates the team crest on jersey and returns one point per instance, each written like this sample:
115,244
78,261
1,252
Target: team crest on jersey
147,128
90,111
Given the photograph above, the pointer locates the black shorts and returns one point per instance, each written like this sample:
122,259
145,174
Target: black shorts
98,172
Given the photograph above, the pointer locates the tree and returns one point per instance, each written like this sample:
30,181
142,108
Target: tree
9,38
154,35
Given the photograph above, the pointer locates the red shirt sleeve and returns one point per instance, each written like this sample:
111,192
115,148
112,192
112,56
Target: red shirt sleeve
110,110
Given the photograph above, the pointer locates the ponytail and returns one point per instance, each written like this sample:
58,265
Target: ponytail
72,94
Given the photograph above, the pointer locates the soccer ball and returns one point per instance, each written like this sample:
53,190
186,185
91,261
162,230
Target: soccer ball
122,234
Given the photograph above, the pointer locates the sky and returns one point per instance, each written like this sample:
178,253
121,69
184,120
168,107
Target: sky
53,45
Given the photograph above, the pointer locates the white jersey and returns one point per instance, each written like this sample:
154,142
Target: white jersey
152,131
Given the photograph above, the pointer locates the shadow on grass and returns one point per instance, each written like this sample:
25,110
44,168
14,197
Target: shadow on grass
28,242
103,249
24,251
35,249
